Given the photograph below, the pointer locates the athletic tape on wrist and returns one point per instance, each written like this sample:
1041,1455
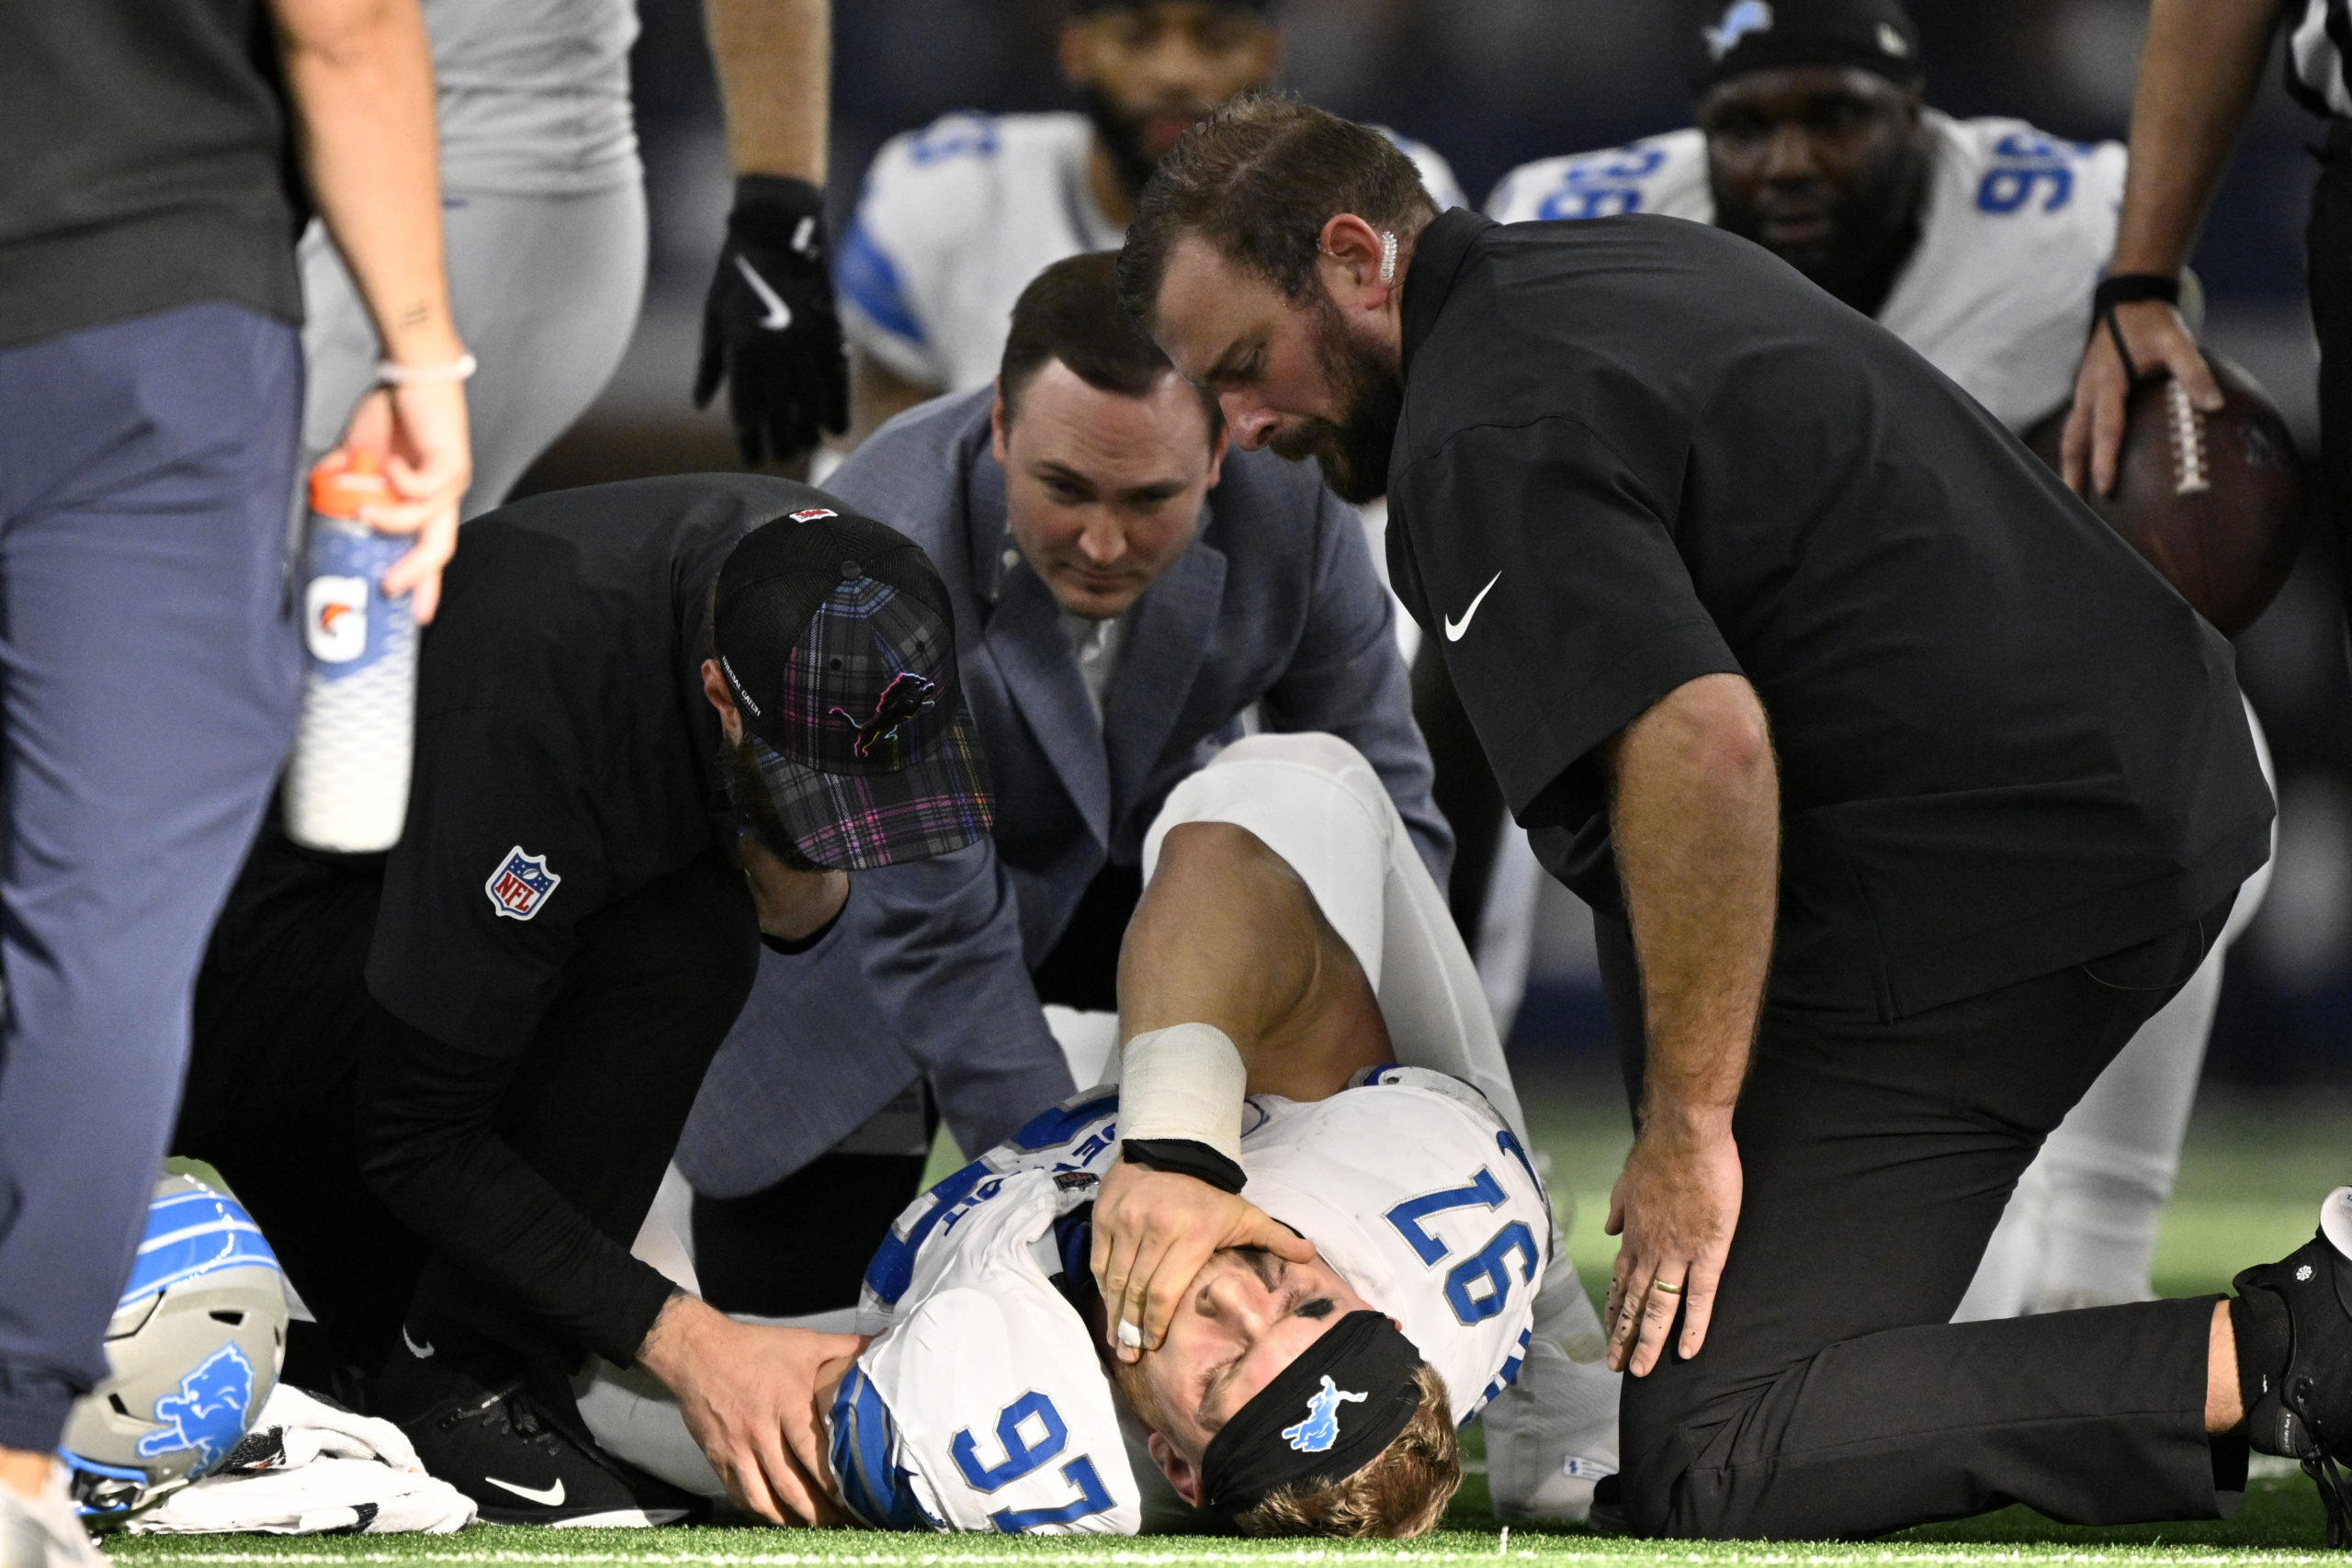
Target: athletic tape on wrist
1183,1082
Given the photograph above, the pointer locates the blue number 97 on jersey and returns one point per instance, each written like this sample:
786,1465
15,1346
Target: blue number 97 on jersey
1476,1287
1031,1434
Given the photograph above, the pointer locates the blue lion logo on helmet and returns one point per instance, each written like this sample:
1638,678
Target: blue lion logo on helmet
1321,1429
209,1413
1745,17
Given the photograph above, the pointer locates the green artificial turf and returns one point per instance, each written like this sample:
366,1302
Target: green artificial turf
2252,1177
2280,1526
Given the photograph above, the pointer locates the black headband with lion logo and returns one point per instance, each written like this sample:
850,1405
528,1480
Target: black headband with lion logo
1322,1418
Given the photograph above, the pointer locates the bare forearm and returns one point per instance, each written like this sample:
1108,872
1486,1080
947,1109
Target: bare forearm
360,73
2197,73
1696,826
774,60
1224,935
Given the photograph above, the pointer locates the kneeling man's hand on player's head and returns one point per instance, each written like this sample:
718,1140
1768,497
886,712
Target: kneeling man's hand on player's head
1154,1231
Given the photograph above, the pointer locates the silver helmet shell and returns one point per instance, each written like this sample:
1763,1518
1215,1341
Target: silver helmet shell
195,1347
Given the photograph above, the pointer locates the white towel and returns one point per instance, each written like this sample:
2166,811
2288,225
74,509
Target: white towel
308,1468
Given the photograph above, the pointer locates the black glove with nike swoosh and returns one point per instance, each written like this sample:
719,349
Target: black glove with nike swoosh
770,329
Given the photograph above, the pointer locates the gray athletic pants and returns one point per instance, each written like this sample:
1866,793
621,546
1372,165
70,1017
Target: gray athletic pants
546,290
148,688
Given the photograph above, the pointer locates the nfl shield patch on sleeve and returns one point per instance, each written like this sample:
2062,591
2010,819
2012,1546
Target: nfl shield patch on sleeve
521,885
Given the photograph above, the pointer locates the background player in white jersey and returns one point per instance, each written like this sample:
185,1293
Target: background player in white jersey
1288,944
1978,242
544,211
956,218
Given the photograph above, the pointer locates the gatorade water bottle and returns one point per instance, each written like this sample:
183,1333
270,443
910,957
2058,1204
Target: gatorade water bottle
347,785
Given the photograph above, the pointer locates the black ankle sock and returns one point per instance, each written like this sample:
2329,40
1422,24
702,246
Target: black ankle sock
2258,1323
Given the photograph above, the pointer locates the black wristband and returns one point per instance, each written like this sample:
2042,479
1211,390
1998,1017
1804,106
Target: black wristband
796,197
1184,1156
2131,289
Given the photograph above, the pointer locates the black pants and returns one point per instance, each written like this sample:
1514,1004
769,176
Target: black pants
595,1107
1833,1396
801,1245
2329,260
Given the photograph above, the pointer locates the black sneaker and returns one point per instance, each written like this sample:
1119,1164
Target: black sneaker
520,1469
2304,1412
1608,1515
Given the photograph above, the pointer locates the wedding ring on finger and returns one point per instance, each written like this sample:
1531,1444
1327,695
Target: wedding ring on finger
1130,1336
1662,1285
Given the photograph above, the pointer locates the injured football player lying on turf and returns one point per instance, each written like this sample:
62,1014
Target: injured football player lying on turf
1330,1261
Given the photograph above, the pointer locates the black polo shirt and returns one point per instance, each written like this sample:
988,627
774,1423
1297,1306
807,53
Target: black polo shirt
1635,451
563,743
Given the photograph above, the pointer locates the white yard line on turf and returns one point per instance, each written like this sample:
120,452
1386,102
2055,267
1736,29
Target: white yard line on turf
2166,1557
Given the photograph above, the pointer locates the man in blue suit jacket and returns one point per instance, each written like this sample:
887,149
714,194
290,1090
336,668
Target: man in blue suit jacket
1127,593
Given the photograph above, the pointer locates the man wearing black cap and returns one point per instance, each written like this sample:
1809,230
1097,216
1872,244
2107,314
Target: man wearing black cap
1919,790
658,723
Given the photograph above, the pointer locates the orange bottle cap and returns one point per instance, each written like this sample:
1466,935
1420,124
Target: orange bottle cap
341,485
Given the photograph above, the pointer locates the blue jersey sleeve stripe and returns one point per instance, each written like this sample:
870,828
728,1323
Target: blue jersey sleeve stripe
865,1437
893,1269
1050,1129
867,279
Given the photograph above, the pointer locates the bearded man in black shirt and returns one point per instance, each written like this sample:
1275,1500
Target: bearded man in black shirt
1919,789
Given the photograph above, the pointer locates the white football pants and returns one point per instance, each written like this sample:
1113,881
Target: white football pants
1315,802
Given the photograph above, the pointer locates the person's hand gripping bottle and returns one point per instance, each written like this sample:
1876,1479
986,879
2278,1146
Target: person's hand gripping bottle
346,784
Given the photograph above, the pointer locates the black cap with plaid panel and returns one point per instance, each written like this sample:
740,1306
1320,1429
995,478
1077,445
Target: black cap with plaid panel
838,642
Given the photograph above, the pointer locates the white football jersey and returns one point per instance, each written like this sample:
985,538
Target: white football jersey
982,1403
1997,295
981,1406
1414,1190
955,220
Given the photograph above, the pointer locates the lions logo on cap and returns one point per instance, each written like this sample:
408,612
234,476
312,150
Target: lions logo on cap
906,695
1321,1429
1745,17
